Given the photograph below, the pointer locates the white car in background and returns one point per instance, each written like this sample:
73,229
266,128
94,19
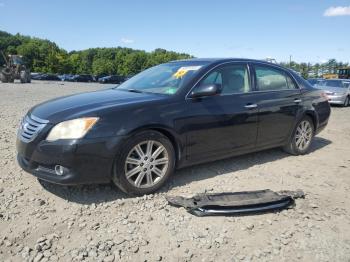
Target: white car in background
337,90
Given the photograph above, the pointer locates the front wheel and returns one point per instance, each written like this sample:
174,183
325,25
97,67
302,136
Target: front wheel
302,137
23,77
144,163
3,78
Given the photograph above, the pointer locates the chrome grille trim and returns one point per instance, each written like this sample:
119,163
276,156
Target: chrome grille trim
30,127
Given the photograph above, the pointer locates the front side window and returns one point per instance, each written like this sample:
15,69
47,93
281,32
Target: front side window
270,79
233,79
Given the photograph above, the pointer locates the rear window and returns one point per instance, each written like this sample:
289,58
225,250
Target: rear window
333,83
270,79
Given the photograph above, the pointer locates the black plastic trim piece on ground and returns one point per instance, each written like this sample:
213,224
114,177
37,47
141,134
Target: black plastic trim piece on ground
236,203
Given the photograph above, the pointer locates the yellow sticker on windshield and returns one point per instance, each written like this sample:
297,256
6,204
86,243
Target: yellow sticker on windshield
182,71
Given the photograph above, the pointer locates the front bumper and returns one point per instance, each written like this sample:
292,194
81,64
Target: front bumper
86,161
336,99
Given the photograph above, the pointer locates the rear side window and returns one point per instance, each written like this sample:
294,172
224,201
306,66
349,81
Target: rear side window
269,79
233,79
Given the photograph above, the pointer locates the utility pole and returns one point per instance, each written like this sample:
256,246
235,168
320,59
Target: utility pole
290,61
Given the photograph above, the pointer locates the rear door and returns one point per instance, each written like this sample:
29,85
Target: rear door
223,124
279,102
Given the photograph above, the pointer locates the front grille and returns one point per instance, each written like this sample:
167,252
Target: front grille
30,127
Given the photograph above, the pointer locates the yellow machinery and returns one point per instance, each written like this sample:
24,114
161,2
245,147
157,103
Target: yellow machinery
342,73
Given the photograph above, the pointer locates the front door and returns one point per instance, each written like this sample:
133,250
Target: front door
222,124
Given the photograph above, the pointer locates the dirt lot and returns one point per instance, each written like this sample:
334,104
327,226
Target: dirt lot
44,222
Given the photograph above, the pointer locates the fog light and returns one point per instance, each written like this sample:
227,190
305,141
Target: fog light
60,170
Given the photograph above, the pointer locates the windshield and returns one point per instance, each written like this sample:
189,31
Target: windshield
332,83
163,79
16,60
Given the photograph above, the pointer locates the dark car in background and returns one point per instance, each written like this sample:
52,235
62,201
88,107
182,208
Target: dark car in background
47,77
66,77
113,79
81,78
170,116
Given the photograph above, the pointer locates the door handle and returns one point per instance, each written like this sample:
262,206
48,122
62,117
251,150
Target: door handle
251,106
297,100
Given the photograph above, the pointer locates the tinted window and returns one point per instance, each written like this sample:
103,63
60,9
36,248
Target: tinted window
333,83
291,84
233,78
272,79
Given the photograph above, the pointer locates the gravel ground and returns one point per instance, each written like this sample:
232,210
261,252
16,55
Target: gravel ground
46,222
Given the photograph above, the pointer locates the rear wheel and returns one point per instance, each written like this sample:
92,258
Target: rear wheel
302,137
144,164
23,77
3,78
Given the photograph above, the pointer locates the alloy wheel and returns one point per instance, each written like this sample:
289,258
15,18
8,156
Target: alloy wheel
146,164
303,135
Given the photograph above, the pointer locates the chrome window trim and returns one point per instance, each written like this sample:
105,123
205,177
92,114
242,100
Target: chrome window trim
251,82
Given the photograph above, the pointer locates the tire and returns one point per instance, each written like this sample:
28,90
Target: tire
305,130
346,102
6,76
3,78
23,77
28,78
149,172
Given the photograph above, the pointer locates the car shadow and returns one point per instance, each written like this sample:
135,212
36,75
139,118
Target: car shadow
204,171
89,194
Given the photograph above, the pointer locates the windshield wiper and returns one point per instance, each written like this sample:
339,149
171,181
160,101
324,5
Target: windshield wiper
134,90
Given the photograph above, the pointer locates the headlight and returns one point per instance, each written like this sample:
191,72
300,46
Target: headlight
72,129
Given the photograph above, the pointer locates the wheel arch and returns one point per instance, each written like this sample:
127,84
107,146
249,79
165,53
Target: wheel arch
313,115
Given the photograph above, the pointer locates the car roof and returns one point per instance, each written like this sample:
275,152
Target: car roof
224,60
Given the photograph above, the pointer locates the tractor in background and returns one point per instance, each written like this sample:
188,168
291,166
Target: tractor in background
14,68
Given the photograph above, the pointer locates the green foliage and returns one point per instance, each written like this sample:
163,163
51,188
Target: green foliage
45,56
308,70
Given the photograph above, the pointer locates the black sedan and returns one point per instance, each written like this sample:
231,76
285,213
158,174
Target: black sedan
81,78
170,116
113,79
47,77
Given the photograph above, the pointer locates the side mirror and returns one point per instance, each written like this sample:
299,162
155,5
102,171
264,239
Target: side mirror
206,90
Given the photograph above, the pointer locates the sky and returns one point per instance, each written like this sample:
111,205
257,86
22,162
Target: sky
308,30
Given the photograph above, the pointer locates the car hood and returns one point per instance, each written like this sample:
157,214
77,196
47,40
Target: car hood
88,104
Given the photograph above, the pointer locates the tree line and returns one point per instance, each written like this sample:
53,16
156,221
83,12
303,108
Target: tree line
308,70
47,57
